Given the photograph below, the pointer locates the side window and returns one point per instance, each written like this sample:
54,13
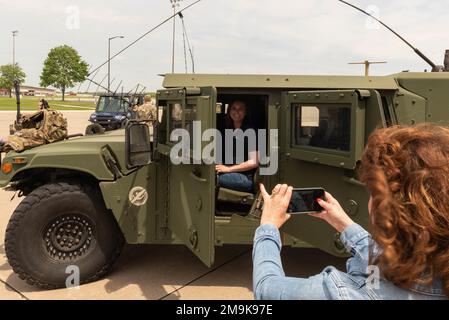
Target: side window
162,114
218,107
190,116
180,117
101,104
175,116
326,126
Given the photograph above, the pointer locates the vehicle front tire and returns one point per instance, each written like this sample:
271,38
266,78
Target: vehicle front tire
58,230
94,128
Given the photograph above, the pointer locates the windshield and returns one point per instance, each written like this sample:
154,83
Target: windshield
112,104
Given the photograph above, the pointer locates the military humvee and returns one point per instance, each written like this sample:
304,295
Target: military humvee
86,196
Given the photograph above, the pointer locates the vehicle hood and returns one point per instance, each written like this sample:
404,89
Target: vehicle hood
82,153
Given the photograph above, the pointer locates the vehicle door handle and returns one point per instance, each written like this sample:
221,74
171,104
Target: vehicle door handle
164,153
195,177
353,181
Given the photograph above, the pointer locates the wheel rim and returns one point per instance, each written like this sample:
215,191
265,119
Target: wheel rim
68,237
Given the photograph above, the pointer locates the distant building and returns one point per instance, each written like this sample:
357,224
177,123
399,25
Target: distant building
35,91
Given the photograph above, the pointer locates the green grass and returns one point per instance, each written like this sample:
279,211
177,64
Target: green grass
31,103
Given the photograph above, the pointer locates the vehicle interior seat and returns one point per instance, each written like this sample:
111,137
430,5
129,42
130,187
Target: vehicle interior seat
256,111
239,197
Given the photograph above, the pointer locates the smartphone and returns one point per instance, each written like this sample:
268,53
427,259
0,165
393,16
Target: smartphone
305,200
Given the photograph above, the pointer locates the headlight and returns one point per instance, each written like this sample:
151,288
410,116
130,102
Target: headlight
93,116
6,167
119,118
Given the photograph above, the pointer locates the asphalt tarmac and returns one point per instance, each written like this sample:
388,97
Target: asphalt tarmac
156,271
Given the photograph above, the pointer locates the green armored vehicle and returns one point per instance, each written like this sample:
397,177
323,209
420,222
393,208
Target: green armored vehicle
88,195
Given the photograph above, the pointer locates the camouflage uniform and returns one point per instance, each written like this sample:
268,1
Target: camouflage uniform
39,128
147,111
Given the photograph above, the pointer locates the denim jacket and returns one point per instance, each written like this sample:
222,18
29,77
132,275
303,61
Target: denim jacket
359,282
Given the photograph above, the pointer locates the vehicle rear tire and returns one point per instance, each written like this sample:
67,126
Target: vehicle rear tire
61,225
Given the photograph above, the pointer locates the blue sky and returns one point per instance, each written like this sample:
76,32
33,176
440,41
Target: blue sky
228,36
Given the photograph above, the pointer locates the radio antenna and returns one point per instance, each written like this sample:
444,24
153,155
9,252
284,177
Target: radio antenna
90,81
435,68
144,35
186,38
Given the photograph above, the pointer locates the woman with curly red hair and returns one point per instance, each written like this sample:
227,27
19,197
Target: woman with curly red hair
406,171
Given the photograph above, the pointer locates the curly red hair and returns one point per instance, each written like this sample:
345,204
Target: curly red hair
406,170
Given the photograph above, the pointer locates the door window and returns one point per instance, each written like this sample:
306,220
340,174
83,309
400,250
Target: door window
175,116
325,126
162,115
190,116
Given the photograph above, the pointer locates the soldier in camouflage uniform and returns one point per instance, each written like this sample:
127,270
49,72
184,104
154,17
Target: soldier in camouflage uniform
43,104
42,127
146,111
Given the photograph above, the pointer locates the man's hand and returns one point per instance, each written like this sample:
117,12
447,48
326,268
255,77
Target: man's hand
220,168
275,205
333,213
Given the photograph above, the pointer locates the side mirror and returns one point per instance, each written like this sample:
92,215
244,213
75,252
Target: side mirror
139,148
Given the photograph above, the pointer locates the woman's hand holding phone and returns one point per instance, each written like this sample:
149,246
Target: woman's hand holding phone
275,208
275,205
333,213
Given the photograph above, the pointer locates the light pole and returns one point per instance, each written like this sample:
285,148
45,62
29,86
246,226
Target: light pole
174,4
109,59
14,35
16,83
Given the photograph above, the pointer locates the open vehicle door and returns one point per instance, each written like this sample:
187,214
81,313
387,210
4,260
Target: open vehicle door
191,185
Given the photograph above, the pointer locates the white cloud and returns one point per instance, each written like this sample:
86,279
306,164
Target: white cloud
230,36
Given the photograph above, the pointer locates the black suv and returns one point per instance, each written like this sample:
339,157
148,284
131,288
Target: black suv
113,110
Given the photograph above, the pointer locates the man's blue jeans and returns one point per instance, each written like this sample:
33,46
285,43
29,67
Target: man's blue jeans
235,181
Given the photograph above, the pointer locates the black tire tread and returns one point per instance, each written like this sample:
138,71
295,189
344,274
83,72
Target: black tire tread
32,199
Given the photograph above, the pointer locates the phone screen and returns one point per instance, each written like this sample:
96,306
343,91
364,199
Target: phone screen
305,201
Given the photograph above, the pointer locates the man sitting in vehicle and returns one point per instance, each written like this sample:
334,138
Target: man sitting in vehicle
239,175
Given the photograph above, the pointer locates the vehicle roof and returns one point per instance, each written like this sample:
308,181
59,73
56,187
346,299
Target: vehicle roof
280,81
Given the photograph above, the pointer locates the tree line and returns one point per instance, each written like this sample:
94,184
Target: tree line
63,67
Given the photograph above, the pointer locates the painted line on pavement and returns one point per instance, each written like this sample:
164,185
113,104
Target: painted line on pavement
207,273
69,106
14,289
